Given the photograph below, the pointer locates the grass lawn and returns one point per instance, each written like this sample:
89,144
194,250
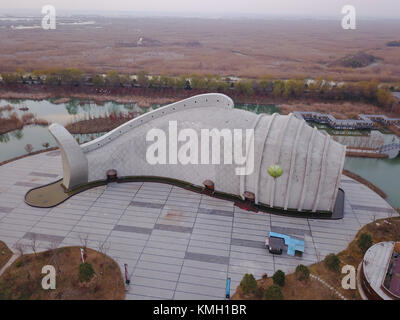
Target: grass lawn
5,254
380,230
22,280
292,290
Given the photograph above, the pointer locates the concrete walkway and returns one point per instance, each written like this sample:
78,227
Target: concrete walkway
177,244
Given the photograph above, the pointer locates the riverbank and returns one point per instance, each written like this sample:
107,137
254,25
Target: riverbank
27,155
100,96
146,97
13,122
361,154
365,182
340,110
98,125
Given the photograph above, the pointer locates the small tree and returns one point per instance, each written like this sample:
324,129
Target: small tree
273,292
332,262
86,272
21,251
248,284
53,249
84,240
302,272
279,278
103,247
364,242
33,243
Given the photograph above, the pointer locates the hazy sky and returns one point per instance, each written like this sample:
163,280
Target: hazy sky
368,8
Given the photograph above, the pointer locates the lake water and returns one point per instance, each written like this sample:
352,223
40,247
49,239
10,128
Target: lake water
13,144
384,173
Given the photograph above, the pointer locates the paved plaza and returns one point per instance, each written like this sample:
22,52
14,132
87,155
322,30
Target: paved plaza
177,244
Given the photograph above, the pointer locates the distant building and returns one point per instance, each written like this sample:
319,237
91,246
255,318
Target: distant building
380,272
396,95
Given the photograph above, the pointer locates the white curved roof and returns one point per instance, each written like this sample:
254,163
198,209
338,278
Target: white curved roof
311,161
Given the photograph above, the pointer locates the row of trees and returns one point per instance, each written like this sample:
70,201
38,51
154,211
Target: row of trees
369,91
250,287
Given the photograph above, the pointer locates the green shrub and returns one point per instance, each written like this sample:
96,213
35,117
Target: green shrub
302,272
273,292
332,262
248,284
279,278
86,272
364,242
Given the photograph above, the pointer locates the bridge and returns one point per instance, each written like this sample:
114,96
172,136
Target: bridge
391,149
365,121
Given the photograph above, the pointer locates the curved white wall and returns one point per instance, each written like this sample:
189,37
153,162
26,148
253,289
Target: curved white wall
311,161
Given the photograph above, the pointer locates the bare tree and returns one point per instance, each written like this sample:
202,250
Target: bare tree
21,251
103,248
53,248
318,255
33,243
84,239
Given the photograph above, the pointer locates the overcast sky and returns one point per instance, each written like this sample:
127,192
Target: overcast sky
367,8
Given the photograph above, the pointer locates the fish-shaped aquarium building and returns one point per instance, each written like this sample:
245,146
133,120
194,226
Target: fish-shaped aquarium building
170,144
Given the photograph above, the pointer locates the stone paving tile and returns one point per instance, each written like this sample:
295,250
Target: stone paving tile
202,279
43,174
250,233
43,237
132,229
146,204
163,258
206,257
162,239
179,295
205,265
238,257
200,289
220,239
153,274
158,283
6,210
209,244
216,212
248,243
202,272
53,226
27,184
151,292
173,228
208,251
155,266
164,252
166,245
